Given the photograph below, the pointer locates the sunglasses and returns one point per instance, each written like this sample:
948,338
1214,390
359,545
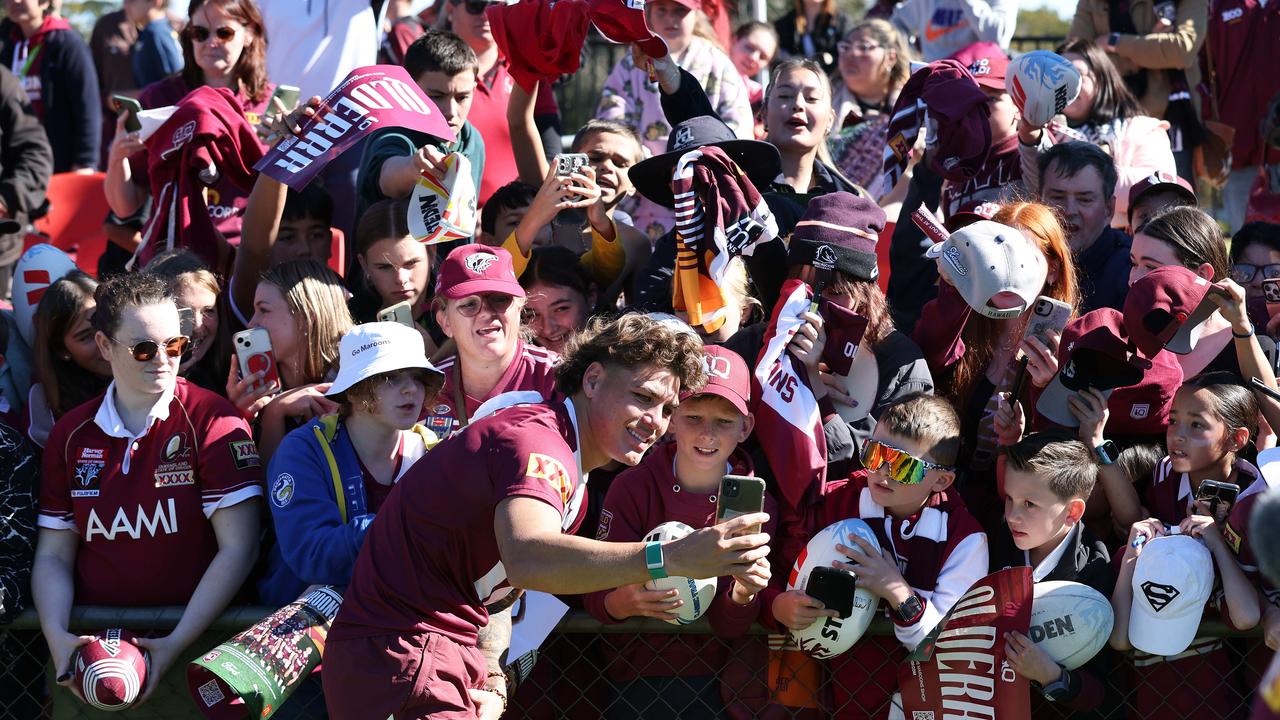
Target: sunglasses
1244,273
146,350
473,7
201,34
904,468
844,46
496,302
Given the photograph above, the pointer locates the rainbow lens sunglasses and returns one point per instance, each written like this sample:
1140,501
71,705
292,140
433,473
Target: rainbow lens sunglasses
904,468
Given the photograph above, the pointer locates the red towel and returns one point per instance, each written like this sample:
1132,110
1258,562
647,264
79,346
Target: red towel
206,139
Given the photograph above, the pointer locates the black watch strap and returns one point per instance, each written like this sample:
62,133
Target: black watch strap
909,611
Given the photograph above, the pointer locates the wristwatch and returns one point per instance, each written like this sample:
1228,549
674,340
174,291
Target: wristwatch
654,561
1059,689
1107,453
910,609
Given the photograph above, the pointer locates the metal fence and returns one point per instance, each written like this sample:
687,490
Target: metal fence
647,668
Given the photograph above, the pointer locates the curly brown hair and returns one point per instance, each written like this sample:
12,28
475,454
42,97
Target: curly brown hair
632,339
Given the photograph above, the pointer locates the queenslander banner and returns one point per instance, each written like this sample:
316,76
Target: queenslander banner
959,669
369,98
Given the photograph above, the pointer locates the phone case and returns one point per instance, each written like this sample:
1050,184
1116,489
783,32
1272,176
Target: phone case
1048,315
834,588
569,163
401,312
1271,291
739,495
253,350
131,108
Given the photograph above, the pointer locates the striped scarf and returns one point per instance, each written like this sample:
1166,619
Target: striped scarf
719,216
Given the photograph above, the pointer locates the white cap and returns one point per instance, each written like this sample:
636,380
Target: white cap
378,347
1172,581
985,259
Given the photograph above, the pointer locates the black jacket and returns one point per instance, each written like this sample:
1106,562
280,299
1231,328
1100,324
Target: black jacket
826,34
69,89
1088,562
26,160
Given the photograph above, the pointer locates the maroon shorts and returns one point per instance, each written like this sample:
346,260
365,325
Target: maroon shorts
406,676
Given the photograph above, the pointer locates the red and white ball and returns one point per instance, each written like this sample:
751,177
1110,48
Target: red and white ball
38,268
829,637
696,594
1042,84
111,670
1070,621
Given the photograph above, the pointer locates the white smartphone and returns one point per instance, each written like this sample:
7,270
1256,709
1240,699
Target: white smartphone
401,312
253,350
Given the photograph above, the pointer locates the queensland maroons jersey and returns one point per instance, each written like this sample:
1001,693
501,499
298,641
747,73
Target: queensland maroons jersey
430,560
532,368
141,505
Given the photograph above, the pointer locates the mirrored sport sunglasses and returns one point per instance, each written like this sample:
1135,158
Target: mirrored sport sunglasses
474,7
144,351
201,34
904,468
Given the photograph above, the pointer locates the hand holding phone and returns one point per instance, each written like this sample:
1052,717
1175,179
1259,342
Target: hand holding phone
740,495
1219,497
130,107
834,588
253,350
1271,293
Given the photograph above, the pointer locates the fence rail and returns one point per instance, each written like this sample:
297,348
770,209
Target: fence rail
590,670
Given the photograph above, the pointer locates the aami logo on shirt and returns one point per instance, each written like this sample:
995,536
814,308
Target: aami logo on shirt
163,519
545,467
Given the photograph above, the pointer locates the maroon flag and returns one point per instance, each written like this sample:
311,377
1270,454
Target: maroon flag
959,669
369,98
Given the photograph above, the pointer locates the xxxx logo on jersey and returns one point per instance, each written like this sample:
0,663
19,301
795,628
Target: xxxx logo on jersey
545,467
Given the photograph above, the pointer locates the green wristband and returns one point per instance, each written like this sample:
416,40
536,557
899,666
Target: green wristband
654,561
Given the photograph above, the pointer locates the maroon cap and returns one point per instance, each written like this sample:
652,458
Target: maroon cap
839,231
1161,180
727,377
971,212
1167,309
474,269
622,22
540,41
987,63
1095,353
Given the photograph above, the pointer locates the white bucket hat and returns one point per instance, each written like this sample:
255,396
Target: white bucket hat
378,347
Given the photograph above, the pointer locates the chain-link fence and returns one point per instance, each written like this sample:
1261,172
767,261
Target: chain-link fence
647,668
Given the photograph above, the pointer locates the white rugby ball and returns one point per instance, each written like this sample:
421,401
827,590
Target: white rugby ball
1042,84
830,636
696,594
1070,621
38,268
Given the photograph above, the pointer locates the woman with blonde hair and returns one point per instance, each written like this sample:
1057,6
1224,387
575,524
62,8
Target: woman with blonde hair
303,307
198,293
798,120
812,29
975,357
875,62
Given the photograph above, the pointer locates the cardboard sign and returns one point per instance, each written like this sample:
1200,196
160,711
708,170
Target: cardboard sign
368,99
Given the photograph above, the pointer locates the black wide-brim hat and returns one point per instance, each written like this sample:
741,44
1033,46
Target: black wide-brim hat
759,160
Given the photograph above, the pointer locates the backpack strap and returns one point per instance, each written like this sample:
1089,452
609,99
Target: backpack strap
325,432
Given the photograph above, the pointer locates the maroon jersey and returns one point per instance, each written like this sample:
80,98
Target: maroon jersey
532,368
430,560
142,505
1241,45
999,180
640,499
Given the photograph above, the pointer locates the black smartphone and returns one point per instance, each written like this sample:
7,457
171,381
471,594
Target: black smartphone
740,495
833,587
1220,497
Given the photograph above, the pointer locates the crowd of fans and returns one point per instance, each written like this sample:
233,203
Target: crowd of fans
427,461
